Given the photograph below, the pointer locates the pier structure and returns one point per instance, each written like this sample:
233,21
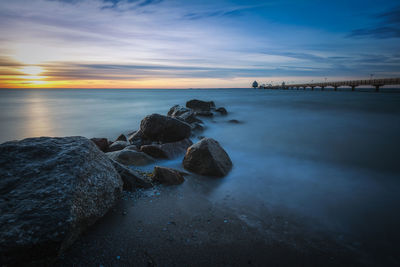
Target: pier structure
377,83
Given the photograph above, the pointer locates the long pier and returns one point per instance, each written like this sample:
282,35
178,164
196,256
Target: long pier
377,83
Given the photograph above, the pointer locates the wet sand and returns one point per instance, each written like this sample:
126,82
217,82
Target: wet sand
179,226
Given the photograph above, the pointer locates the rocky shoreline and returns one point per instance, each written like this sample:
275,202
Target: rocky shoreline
53,189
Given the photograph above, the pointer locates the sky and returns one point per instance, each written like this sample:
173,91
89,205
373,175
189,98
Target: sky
195,44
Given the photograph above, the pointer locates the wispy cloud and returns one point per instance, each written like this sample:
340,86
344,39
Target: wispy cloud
112,41
388,26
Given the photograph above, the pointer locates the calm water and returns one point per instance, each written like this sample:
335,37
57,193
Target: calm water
331,158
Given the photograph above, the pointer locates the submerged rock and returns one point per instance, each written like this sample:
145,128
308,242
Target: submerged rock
131,178
168,176
121,137
52,189
130,157
199,105
222,111
235,121
204,113
101,143
207,157
157,127
167,150
117,145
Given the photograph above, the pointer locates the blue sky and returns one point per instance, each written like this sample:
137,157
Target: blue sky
181,44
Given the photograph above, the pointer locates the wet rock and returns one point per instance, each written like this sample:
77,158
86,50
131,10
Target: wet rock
101,143
121,137
197,127
135,136
168,176
167,150
204,113
52,189
131,147
222,111
117,145
207,157
157,127
199,105
130,157
184,114
131,178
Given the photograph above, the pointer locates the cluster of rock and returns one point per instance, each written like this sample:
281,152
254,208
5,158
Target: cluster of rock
52,189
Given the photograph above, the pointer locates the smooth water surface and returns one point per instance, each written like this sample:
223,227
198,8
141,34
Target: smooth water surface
330,158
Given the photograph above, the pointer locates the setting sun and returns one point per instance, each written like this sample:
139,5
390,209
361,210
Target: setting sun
32,70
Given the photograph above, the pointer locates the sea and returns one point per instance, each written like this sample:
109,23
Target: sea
331,159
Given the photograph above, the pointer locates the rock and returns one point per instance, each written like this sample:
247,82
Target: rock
197,127
131,147
137,135
101,143
207,157
234,121
131,178
117,145
222,111
168,176
184,114
121,137
52,189
167,150
199,105
204,113
130,157
157,127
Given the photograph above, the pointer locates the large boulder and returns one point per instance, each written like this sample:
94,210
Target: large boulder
167,150
168,176
199,105
207,157
131,178
130,157
51,190
157,127
101,143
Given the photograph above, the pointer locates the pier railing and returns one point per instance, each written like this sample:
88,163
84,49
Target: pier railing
377,83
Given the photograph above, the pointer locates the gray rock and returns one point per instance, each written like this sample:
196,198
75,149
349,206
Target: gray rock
167,150
204,113
131,178
101,143
121,137
137,135
117,145
157,127
131,147
199,105
168,176
130,157
184,114
51,190
222,111
235,121
207,157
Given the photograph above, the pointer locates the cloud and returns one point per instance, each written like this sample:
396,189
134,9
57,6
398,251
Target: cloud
388,26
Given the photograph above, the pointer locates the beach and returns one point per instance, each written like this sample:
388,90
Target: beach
315,178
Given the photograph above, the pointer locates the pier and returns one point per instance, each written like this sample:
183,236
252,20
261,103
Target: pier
377,83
